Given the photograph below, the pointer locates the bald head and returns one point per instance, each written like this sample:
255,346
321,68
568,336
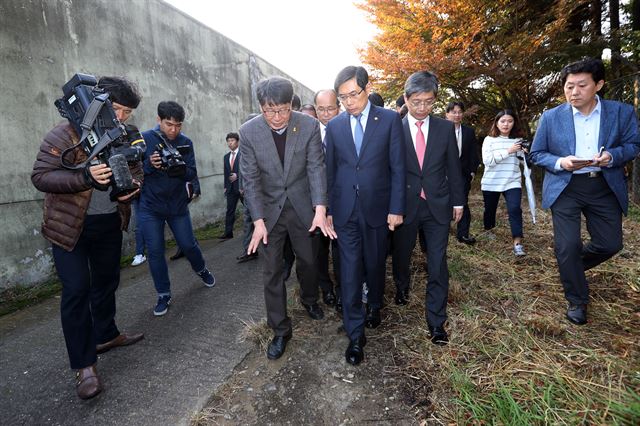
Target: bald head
327,105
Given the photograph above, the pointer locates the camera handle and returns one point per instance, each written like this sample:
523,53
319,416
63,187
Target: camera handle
87,124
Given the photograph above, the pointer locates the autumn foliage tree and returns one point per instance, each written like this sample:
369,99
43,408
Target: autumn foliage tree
491,54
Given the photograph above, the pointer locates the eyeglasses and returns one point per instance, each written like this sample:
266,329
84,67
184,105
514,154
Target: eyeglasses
327,109
270,113
426,103
351,95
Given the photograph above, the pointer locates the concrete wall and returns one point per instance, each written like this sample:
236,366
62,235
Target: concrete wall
169,54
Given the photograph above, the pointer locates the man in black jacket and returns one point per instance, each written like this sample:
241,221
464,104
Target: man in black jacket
231,183
469,162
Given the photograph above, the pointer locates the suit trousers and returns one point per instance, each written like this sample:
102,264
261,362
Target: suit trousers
593,198
305,248
90,275
327,245
465,222
436,236
247,228
230,217
363,252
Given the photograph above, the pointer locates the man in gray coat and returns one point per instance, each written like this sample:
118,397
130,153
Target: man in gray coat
285,186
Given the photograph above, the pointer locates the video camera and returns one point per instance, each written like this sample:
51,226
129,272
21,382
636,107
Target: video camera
103,138
525,144
171,157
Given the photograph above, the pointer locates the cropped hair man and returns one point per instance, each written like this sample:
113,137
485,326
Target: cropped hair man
583,145
435,197
469,162
365,158
231,167
169,164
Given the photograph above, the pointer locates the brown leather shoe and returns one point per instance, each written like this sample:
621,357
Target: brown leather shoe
121,340
87,382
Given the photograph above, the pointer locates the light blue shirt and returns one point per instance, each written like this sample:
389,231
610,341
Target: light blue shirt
363,120
587,129
587,134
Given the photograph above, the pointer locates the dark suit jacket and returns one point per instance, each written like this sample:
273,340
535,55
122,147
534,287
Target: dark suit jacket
469,160
267,184
440,176
229,186
556,138
377,175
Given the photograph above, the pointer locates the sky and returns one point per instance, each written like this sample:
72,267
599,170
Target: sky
311,40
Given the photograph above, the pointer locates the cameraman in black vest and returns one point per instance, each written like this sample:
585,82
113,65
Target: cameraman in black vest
85,229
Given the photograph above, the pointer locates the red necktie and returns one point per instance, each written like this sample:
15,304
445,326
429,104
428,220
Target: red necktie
233,159
421,147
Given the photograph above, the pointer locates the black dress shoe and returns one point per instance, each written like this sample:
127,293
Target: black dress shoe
467,240
438,335
277,346
225,237
247,257
329,298
577,314
178,254
314,311
373,319
402,297
355,351
339,304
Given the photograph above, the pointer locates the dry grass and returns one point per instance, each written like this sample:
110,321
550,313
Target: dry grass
513,358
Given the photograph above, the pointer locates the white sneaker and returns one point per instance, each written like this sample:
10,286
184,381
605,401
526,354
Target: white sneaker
518,250
138,259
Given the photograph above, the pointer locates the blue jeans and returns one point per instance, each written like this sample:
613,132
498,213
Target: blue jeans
139,237
152,225
512,197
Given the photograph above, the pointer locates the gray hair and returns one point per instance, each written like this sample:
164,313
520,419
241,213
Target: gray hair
419,82
274,91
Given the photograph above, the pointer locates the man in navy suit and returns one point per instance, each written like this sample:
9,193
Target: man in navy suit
231,183
584,145
366,183
435,197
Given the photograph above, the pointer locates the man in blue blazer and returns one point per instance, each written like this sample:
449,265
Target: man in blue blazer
365,158
584,145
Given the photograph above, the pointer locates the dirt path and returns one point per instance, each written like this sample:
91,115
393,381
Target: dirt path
311,383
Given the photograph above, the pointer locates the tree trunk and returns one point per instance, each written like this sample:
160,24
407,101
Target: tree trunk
635,176
616,87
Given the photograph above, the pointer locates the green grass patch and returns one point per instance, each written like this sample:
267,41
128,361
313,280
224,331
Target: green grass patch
634,212
20,297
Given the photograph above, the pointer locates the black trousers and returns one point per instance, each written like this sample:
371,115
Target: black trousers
436,236
90,275
232,202
465,222
305,248
327,245
592,198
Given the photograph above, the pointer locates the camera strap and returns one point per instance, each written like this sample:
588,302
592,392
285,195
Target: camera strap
87,124
165,141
